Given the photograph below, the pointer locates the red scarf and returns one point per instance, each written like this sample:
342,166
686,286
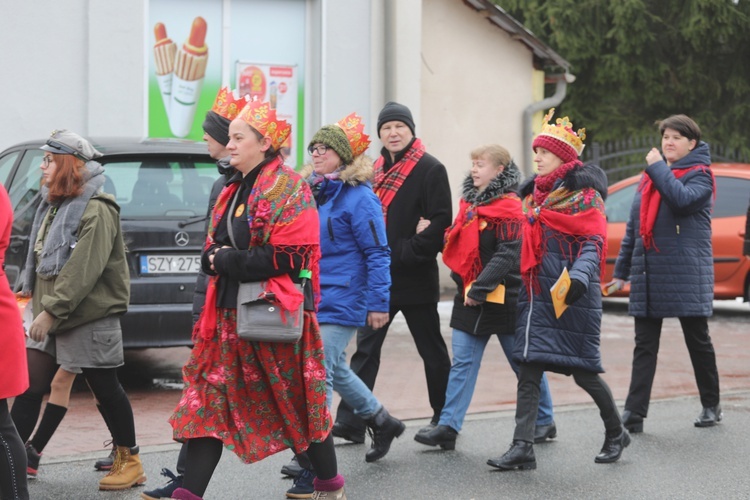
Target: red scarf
386,184
461,250
651,200
575,217
281,212
543,184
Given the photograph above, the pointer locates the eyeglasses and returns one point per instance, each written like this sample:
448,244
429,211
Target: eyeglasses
46,160
321,150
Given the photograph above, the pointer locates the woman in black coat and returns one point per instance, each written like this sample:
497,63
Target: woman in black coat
564,233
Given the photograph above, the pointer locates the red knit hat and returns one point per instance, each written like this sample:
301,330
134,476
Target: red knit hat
559,139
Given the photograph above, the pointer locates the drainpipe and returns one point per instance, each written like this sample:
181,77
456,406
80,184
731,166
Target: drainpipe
390,50
562,81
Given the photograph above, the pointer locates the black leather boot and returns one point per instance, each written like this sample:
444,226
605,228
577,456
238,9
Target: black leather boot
383,430
632,421
348,432
442,435
612,449
520,456
709,417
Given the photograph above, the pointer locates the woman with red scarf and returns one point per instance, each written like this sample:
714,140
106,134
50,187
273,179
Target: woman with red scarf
667,254
257,398
483,250
564,229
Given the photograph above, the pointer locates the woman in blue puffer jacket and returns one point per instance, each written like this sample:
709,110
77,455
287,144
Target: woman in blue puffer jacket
355,264
564,228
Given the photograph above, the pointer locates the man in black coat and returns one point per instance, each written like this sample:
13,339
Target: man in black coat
412,186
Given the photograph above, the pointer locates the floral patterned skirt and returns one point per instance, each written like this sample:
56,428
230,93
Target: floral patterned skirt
258,398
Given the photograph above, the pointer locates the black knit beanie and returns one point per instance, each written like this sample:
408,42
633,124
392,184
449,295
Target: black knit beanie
398,112
335,138
217,127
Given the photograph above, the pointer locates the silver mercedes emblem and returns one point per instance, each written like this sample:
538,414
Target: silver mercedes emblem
181,238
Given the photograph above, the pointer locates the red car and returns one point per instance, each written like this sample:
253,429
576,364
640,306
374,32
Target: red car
731,268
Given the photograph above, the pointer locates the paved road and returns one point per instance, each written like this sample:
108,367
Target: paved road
671,460
401,387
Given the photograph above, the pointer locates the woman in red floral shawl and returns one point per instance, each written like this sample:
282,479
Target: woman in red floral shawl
257,398
564,233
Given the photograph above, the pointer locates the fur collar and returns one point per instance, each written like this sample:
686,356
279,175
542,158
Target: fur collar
357,172
587,176
505,182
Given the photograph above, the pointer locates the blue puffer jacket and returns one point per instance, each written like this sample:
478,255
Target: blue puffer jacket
675,277
572,341
355,275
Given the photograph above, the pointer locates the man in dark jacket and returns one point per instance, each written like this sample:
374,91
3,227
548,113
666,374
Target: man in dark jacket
216,135
412,185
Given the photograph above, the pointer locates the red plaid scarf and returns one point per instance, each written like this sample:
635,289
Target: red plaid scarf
388,183
651,200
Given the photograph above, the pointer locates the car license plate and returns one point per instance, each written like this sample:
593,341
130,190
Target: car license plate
158,264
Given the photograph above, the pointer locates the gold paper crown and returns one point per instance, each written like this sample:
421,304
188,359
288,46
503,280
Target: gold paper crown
227,105
261,117
355,133
563,131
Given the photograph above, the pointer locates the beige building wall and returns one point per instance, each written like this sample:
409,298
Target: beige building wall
476,82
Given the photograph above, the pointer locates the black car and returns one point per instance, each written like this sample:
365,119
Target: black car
162,187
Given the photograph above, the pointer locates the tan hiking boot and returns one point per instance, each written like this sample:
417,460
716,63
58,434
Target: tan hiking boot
127,470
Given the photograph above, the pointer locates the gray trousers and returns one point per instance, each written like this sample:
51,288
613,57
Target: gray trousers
529,378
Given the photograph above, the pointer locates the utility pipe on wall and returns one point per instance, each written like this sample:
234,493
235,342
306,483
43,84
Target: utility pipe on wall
561,87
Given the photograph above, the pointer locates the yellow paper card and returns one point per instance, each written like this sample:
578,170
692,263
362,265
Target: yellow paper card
559,290
496,296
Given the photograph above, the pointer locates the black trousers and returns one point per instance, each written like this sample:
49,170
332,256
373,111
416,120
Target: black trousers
13,484
702,356
424,324
529,378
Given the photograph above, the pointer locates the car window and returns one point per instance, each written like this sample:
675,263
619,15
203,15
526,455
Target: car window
618,204
731,196
6,163
160,187
25,184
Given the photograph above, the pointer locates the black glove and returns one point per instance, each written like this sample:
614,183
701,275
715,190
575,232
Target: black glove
576,291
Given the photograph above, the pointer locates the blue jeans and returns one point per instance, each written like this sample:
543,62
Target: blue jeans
340,377
467,357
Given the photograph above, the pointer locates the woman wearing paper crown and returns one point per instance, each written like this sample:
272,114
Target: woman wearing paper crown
559,320
257,398
667,254
77,275
354,268
483,250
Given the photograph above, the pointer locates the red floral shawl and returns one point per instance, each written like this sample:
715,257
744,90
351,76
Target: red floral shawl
461,249
281,212
573,216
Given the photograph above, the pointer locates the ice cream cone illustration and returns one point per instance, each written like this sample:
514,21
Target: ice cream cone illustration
190,68
164,52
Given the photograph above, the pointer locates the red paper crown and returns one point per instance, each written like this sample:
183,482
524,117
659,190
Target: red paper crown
261,117
227,105
563,131
355,133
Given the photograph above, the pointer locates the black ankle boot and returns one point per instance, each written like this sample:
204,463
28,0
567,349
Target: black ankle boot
442,435
383,429
632,421
613,447
520,456
348,432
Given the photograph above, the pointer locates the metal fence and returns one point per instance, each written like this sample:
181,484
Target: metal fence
622,158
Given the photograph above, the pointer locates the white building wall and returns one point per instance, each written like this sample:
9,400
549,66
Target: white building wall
476,82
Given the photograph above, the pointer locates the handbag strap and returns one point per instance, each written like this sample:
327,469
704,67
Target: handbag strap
230,229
